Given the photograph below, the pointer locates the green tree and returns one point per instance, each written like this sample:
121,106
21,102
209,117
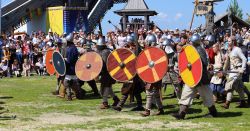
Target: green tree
235,9
248,20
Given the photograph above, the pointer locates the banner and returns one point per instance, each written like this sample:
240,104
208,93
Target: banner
74,20
203,9
54,19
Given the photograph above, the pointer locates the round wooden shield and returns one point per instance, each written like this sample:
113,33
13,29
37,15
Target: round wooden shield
190,66
59,63
88,66
49,65
121,65
152,64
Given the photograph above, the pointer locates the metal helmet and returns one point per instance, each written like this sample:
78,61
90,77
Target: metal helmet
130,39
133,35
210,38
195,39
151,39
83,41
166,42
164,37
59,41
69,37
239,40
101,41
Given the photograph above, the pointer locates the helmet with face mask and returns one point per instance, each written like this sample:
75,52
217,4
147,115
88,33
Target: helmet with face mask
196,39
151,39
130,39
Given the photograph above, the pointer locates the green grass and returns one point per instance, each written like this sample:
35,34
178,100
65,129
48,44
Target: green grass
37,109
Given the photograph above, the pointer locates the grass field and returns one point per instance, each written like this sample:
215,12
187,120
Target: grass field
37,109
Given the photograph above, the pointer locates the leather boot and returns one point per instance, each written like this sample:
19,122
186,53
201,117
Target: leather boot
80,93
160,112
212,112
92,84
117,108
69,98
116,101
62,91
242,104
104,105
182,113
226,105
138,108
56,92
145,113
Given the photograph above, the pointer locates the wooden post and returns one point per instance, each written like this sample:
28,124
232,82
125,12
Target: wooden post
196,3
100,27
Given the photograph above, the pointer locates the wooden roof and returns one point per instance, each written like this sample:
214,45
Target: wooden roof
136,8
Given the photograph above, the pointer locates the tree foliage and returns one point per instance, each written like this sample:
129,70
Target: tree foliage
248,20
235,9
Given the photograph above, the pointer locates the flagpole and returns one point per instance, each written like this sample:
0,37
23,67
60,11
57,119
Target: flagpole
196,3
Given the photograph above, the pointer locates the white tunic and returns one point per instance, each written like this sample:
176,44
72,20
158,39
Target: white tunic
237,61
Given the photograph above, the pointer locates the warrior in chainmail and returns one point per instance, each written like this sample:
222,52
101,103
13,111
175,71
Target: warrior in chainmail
205,92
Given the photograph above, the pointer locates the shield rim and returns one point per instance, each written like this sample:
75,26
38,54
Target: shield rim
63,62
166,67
50,49
100,68
201,65
135,64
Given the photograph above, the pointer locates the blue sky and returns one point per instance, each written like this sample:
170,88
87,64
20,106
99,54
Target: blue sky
172,13
4,2
175,13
